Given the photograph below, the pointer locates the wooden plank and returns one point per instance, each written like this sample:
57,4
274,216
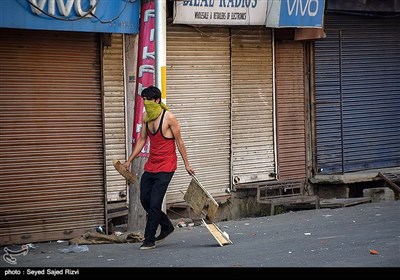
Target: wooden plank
195,197
343,202
221,238
124,172
212,211
389,178
199,198
119,213
290,200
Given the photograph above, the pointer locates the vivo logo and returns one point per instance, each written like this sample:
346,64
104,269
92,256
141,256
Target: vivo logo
302,7
63,7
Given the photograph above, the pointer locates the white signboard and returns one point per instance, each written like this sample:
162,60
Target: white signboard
221,12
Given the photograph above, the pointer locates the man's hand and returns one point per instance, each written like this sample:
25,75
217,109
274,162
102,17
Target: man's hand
126,164
189,170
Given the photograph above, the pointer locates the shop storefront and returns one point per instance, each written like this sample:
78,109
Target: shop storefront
222,66
62,115
357,86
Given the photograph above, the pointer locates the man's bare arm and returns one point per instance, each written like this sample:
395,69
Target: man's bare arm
139,145
176,131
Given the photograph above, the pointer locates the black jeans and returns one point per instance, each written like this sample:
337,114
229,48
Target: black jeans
153,187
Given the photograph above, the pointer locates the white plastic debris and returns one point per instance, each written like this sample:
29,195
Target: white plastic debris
31,246
226,235
75,249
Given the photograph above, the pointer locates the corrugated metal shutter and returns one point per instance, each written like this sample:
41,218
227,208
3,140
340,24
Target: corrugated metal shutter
357,94
51,142
198,92
252,105
290,110
114,117
328,105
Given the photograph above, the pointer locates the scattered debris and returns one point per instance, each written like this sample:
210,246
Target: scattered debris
99,238
75,249
181,224
31,246
373,252
101,229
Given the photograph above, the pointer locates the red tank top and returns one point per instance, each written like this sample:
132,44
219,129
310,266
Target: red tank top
162,156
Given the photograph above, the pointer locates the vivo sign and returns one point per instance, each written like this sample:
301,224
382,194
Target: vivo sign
295,13
51,7
116,16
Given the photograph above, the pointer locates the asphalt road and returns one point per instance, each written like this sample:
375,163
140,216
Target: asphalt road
360,236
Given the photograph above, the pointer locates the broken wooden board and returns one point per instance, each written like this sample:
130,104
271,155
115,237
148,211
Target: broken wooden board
221,237
199,198
124,172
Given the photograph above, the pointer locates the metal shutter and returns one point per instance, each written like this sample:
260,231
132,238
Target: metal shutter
252,105
114,117
51,143
357,94
290,110
198,92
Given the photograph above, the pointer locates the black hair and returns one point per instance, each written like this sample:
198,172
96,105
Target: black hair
151,93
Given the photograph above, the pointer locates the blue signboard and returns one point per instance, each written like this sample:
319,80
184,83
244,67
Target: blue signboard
295,13
103,16
301,13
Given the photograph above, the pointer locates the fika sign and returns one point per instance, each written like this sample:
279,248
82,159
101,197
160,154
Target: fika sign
295,13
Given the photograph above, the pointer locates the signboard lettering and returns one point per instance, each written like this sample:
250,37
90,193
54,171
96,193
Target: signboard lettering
220,12
116,16
37,6
271,13
296,13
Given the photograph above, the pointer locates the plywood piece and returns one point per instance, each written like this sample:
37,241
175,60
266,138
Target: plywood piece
199,198
195,197
124,172
221,238
212,211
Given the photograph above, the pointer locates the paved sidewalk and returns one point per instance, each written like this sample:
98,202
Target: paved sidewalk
365,235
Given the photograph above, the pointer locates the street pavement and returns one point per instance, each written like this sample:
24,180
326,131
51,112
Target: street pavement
360,236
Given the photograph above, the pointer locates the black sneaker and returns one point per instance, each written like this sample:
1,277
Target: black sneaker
147,245
164,234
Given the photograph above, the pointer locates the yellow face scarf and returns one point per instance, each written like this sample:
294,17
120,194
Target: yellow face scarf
153,109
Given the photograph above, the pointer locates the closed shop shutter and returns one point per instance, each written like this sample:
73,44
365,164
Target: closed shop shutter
252,105
114,117
290,110
357,85
198,92
51,143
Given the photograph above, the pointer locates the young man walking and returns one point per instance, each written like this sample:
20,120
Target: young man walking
163,130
